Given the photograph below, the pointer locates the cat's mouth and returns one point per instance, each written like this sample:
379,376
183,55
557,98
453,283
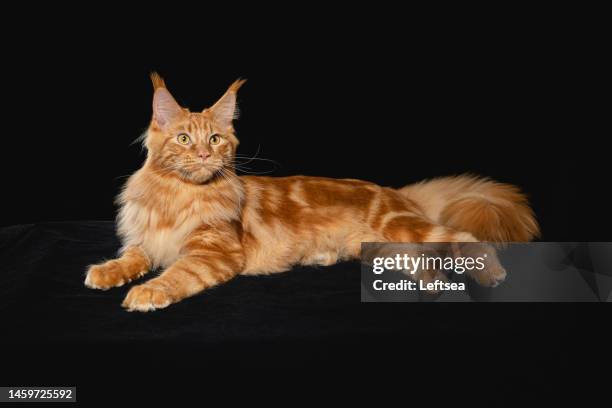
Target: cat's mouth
199,173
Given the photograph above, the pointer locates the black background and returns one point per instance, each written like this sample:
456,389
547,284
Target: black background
507,106
382,100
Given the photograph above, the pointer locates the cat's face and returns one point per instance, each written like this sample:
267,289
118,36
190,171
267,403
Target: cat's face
193,146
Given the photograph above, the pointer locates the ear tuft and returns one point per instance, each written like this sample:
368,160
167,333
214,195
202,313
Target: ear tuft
236,85
225,110
158,81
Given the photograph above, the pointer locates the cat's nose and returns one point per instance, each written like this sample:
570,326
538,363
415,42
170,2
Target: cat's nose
203,154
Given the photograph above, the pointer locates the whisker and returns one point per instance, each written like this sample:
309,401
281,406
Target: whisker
250,159
249,171
255,155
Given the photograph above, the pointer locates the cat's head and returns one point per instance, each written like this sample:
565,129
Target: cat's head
192,146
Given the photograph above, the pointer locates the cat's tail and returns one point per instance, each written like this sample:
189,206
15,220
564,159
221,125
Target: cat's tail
489,210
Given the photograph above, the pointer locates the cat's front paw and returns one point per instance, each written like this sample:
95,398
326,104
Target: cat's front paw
147,297
105,276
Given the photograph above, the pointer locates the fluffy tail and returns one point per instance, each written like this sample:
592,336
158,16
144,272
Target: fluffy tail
490,211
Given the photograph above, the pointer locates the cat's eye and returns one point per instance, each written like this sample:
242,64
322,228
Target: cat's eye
183,138
214,139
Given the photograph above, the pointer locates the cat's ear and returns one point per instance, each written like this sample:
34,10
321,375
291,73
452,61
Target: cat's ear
165,108
224,111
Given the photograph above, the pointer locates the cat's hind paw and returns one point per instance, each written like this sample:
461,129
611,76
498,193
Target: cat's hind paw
145,298
491,276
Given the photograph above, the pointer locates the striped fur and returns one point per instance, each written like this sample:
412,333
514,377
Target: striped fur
187,212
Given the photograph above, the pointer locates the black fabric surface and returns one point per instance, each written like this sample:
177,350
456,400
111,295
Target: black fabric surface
305,317
44,268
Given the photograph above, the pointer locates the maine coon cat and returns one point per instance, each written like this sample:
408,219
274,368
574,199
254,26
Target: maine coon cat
187,212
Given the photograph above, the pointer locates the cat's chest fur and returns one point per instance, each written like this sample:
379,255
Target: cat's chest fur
159,217
160,235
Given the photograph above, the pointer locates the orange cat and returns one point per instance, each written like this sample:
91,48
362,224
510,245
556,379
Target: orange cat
188,212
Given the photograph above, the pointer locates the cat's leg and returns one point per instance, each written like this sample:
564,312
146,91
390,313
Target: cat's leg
132,264
209,257
411,228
